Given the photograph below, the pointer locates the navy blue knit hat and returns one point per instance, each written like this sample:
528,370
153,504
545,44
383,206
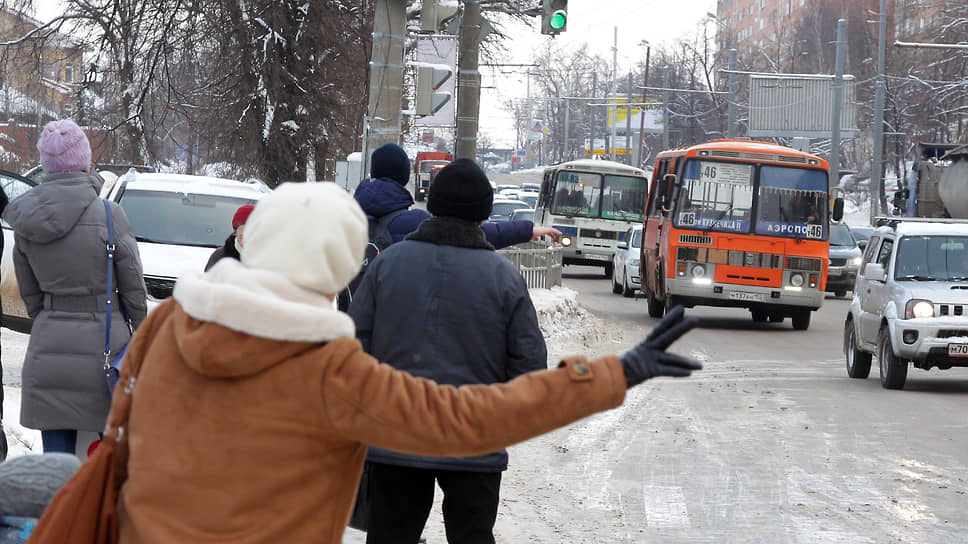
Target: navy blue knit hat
390,161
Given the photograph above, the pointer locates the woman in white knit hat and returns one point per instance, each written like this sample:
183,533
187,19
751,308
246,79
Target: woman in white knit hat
255,404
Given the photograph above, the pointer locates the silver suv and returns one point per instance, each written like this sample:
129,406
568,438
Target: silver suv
910,301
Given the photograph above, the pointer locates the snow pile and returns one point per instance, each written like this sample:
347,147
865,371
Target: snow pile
568,328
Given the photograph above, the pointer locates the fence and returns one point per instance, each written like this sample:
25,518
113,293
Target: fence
538,262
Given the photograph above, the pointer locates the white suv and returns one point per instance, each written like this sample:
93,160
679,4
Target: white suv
910,301
179,220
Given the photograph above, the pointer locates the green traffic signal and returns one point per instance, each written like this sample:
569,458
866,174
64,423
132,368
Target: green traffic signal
558,20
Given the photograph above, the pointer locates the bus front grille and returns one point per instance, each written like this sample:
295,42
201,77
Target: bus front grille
598,234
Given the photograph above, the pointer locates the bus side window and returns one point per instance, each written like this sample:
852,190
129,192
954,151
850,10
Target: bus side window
547,189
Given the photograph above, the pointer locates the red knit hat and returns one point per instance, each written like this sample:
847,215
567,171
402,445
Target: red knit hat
241,216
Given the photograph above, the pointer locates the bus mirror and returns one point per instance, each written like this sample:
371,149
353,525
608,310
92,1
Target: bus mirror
671,197
838,213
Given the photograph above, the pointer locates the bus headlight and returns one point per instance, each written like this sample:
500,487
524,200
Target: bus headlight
566,241
698,271
918,308
796,279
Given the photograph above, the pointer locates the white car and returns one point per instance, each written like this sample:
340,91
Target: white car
910,301
625,263
501,209
14,312
178,221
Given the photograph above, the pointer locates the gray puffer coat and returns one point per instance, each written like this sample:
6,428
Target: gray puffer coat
59,254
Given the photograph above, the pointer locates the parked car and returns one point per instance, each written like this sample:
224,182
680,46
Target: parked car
14,311
178,221
625,263
845,259
523,214
531,187
117,170
502,208
861,234
530,198
911,301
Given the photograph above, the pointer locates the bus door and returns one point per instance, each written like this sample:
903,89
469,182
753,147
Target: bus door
659,195
545,197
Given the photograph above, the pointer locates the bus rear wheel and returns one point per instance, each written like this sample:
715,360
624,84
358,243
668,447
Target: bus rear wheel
801,320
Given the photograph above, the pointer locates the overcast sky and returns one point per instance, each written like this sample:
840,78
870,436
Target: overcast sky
594,22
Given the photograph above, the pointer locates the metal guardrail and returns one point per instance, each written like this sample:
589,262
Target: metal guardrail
538,262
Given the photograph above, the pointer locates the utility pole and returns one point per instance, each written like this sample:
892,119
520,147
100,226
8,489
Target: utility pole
591,125
731,104
613,109
665,109
628,121
838,98
468,81
638,156
382,123
877,161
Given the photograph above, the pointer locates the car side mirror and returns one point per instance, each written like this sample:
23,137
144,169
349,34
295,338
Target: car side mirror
875,271
862,244
838,212
623,245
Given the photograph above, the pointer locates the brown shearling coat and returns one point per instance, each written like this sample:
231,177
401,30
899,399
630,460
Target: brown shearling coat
244,439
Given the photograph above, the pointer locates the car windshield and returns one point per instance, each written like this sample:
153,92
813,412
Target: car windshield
927,258
792,202
179,218
636,239
531,200
840,236
716,196
505,208
427,165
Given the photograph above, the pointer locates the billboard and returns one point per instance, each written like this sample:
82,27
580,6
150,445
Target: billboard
619,114
439,49
799,106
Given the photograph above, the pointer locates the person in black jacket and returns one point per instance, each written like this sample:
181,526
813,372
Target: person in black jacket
467,319
3,435
385,192
234,241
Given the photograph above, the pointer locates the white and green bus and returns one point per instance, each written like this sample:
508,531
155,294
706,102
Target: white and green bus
593,203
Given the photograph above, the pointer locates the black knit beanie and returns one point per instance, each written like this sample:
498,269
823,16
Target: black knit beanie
461,190
390,161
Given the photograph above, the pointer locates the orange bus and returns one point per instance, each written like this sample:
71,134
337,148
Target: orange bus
738,223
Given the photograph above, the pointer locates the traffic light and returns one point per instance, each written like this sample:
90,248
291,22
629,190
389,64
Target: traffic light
429,79
434,13
554,16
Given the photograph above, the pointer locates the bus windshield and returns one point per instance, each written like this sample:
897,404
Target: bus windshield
716,196
586,194
792,202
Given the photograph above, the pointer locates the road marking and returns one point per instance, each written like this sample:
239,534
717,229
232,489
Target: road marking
665,507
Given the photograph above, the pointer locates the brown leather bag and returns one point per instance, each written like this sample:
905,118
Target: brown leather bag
85,510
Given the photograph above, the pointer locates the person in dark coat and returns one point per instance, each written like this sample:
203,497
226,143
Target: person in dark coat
233,244
472,323
3,435
385,192
60,233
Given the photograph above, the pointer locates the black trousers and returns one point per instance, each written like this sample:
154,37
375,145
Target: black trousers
401,499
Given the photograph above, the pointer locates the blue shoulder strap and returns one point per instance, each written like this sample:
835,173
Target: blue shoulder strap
110,282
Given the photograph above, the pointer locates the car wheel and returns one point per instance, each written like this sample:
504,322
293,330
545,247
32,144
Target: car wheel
858,362
616,288
656,307
801,320
759,315
893,369
609,268
840,293
776,318
627,291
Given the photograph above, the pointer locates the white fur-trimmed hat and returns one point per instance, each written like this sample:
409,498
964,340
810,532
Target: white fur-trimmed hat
314,234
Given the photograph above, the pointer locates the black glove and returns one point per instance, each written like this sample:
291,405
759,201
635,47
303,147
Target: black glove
649,359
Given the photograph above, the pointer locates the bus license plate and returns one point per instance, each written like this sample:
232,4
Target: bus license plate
755,297
596,257
957,350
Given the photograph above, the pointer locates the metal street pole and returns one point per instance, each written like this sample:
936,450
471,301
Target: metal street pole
613,109
628,121
877,161
468,81
838,98
382,123
665,109
731,100
591,125
638,163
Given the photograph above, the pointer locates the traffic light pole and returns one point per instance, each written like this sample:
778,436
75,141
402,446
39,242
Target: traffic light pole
468,81
382,124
